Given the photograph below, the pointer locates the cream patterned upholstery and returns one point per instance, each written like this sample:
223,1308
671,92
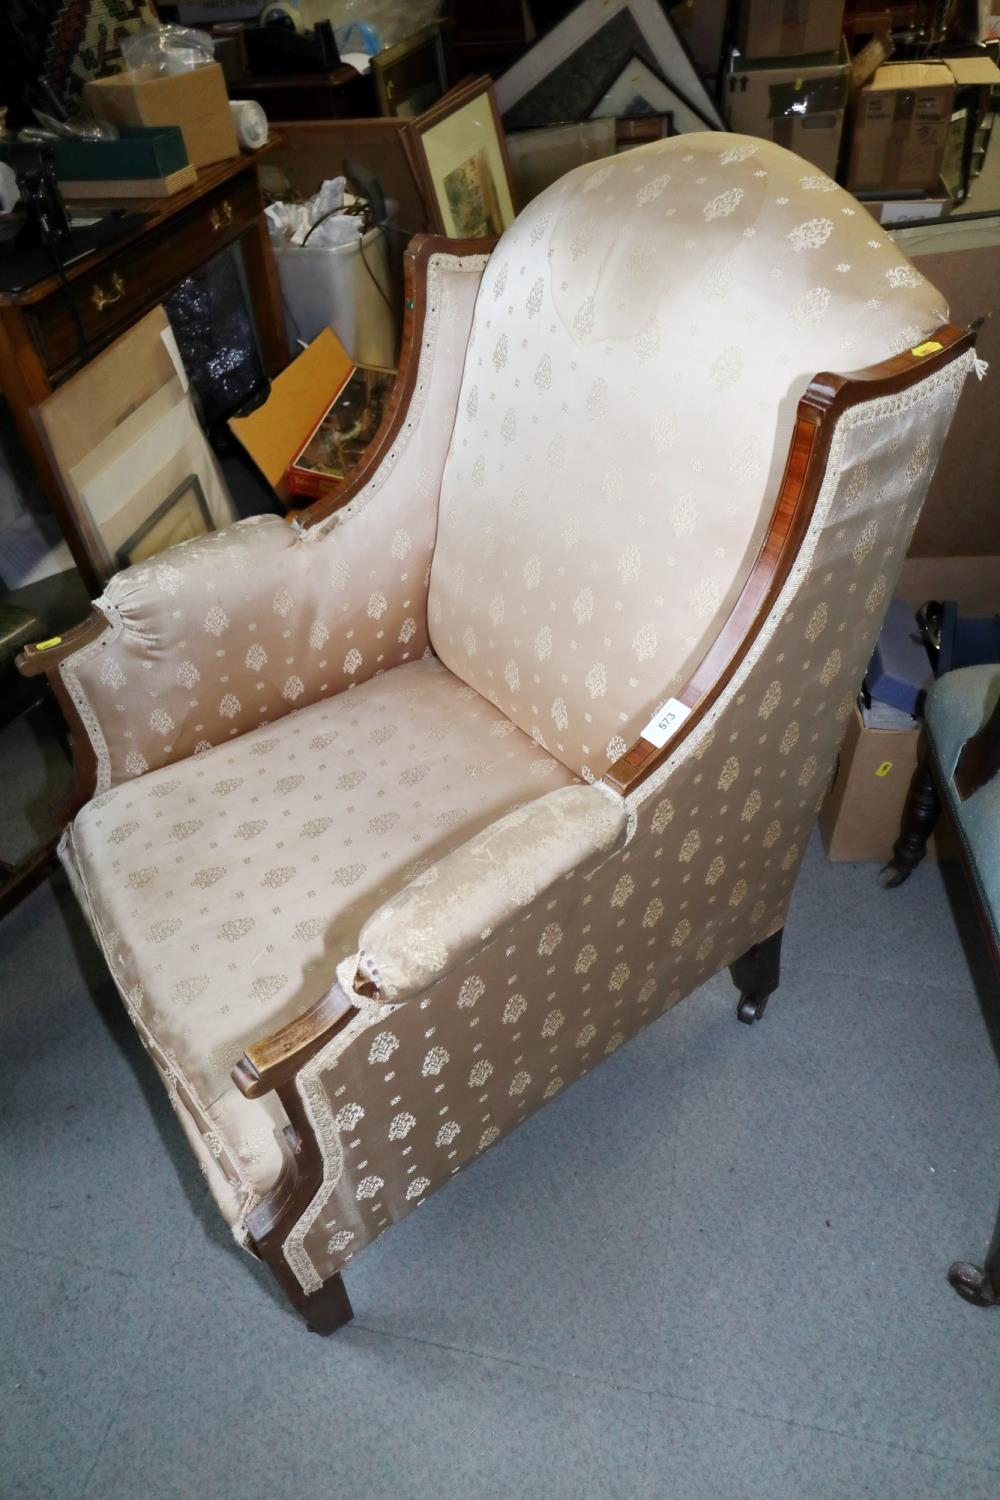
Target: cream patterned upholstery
641,339
227,887
573,505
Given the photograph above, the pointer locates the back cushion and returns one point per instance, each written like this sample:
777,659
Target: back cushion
642,336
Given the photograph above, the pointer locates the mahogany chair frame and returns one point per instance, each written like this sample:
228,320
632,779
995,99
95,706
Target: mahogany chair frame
272,1063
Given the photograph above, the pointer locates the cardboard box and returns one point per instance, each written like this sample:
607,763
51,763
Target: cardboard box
974,78
701,25
196,101
301,397
337,444
797,104
789,28
899,129
918,208
862,814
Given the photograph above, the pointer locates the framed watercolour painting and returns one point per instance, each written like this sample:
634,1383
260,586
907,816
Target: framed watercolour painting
459,157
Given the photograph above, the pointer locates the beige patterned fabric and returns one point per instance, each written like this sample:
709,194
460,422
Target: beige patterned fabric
226,633
446,913
412,1093
640,341
227,888
642,336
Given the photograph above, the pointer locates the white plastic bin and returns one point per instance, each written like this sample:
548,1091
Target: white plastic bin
330,286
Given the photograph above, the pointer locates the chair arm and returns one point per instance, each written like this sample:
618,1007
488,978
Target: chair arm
446,914
271,1063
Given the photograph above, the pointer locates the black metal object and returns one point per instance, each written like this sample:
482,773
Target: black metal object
923,807
756,974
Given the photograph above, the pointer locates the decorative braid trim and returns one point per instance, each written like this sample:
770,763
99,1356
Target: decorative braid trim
438,268
308,1081
68,672
864,414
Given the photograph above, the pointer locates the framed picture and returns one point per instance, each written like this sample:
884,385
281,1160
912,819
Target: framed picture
411,76
180,517
460,160
638,90
569,69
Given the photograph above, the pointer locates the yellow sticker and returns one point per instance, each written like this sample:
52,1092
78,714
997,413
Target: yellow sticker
884,768
931,347
53,640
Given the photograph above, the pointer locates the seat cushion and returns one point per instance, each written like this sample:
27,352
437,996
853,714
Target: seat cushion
225,889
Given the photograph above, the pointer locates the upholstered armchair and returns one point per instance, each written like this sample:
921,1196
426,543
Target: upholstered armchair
398,821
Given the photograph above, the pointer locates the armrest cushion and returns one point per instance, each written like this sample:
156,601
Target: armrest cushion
446,914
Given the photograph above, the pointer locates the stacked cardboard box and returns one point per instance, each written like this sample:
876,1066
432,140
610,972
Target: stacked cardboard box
788,78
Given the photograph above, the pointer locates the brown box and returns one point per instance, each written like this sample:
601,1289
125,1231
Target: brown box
899,129
896,213
789,28
196,101
861,817
798,106
701,24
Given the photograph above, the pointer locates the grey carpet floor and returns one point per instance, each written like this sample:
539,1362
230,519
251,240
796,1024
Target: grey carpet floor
714,1268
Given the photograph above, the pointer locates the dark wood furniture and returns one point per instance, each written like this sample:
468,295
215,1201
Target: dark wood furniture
115,286
933,787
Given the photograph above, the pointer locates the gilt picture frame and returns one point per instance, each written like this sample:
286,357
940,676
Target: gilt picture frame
411,76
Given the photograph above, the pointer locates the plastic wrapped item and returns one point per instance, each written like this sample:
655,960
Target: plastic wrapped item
213,326
334,272
385,21
167,49
321,219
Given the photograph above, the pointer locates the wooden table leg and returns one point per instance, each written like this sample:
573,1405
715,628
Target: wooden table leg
265,294
25,385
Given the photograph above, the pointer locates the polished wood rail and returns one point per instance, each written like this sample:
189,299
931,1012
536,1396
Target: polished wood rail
826,399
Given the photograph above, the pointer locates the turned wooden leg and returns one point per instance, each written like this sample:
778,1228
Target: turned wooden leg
980,1286
756,974
922,809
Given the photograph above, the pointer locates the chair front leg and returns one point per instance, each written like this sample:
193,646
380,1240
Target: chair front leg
922,810
269,1223
981,1287
756,974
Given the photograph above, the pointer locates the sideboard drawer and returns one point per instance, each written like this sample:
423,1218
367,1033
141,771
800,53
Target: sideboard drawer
140,275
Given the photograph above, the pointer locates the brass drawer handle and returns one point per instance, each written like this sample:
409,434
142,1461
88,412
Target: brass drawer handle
219,217
102,299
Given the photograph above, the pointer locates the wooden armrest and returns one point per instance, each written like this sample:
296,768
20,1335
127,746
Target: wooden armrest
979,759
45,656
826,399
415,263
273,1062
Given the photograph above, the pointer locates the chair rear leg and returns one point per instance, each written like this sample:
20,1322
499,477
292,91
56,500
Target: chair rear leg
980,1287
756,974
922,809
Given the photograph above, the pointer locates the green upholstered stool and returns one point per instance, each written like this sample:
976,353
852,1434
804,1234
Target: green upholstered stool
962,721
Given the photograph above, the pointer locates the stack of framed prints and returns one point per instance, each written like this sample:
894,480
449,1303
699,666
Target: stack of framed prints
135,467
607,58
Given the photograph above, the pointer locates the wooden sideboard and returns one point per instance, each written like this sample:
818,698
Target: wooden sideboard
115,286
